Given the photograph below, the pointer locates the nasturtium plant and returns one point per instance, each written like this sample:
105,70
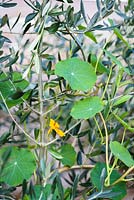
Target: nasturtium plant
121,153
87,108
20,165
79,74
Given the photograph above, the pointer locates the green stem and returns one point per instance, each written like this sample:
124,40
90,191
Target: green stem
107,83
110,171
106,140
101,135
128,179
101,53
123,137
123,123
123,176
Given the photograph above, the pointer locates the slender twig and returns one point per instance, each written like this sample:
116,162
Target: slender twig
111,169
98,126
43,136
45,113
51,142
73,126
77,42
110,73
128,179
101,53
16,121
75,167
32,109
123,136
89,151
19,33
65,169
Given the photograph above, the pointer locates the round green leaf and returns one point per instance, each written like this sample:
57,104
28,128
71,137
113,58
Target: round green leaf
19,166
69,155
86,108
10,87
121,153
79,74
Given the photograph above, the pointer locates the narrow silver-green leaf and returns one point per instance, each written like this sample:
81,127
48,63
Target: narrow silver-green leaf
82,9
55,154
121,100
113,58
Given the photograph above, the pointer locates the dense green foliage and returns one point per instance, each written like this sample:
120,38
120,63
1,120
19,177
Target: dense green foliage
67,93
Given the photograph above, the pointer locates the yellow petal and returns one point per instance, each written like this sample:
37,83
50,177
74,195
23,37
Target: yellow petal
49,131
60,132
53,124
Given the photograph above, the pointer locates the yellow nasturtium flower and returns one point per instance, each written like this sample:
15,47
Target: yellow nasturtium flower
56,127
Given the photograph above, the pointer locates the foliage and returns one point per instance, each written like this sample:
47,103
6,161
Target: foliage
67,102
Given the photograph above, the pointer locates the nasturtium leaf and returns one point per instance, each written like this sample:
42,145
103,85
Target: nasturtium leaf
96,180
79,74
86,108
13,102
19,166
69,155
121,153
8,87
